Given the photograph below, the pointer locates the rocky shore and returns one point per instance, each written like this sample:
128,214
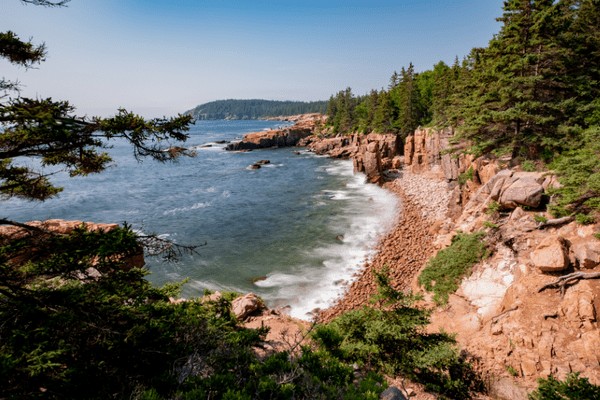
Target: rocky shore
514,313
404,250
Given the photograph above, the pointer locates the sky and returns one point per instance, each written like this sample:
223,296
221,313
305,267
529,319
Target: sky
162,57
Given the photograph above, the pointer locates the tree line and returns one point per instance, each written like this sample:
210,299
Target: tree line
254,109
530,92
532,95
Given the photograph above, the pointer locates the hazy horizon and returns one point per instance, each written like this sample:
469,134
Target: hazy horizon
156,58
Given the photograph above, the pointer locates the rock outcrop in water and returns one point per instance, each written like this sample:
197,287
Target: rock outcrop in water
371,154
284,137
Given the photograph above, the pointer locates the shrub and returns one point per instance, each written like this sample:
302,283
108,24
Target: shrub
584,219
67,334
389,337
528,166
492,208
490,225
466,176
443,273
573,387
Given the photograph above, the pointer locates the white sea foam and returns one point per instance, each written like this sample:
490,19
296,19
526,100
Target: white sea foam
195,206
199,286
210,189
368,215
337,194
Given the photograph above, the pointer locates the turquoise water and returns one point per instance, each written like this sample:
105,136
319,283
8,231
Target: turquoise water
302,225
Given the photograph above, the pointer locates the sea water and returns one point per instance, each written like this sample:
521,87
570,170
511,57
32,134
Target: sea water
294,231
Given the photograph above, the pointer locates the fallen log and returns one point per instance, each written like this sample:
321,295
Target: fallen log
556,222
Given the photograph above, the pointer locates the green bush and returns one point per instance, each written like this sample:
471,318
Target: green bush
578,171
69,334
492,208
466,176
389,337
444,272
490,225
584,219
573,388
528,166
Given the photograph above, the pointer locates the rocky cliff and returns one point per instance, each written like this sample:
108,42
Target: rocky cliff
304,125
371,154
527,311
523,312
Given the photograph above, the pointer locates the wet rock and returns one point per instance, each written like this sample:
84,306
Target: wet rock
262,162
254,166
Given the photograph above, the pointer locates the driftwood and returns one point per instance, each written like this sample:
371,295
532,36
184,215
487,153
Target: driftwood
570,279
556,222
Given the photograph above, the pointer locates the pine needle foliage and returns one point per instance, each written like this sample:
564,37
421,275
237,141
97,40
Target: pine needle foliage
443,273
389,337
573,387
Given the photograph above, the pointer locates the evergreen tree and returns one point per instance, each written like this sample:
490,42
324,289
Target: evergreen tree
517,98
49,131
383,117
405,98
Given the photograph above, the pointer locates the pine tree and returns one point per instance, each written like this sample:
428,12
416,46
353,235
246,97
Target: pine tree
516,99
405,97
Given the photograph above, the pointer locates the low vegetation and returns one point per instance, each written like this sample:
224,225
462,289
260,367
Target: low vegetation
443,273
78,322
573,387
389,337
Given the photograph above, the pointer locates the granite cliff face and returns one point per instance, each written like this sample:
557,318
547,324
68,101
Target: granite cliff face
524,312
304,125
508,313
371,154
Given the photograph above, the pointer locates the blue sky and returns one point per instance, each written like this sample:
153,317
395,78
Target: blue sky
159,57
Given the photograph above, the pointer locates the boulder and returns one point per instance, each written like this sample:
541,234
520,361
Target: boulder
586,252
262,162
246,305
551,255
522,189
392,393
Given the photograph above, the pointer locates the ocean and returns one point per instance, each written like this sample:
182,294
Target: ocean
294,231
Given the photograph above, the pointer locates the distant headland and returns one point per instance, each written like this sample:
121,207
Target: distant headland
254,109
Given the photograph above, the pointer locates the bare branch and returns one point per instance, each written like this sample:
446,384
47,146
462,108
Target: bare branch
567,280
169,251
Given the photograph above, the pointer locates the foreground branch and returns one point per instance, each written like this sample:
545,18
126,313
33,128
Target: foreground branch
564,281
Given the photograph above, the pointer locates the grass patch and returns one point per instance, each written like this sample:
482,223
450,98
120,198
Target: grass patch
444,272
